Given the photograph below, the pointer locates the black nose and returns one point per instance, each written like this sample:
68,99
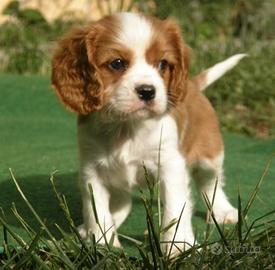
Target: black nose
146,92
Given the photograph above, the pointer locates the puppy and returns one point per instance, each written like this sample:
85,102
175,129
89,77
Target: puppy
126,77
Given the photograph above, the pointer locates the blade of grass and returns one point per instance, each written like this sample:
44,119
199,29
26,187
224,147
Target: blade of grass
158,177
29,253
146,260
65,258
255,191
136,242
20,241
151,226
176,230
150,185
67,240
5,234
215,221
102,263
254,221
64,207
96,217
16,237
208,227
151,243
24,224
169,226
239,223
63,204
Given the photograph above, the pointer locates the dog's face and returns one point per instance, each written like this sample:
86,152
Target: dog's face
125,65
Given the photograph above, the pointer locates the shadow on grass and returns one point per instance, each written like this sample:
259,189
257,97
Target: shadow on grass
39,192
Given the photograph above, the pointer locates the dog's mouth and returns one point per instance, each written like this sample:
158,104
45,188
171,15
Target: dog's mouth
141,106
134,110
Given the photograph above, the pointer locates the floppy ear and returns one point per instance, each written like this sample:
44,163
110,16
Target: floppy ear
180,69
74,77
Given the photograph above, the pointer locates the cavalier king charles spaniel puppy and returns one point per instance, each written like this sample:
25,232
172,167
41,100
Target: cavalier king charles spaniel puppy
126,77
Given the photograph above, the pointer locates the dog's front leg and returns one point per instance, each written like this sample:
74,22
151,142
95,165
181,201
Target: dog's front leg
177,205
96,214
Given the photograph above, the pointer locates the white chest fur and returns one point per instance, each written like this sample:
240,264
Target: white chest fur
119,153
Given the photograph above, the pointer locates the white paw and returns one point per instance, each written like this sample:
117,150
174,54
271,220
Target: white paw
116,243
82,231
229,216
174,246
100,240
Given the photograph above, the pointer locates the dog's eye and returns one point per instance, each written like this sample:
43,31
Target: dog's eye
162,65
118,64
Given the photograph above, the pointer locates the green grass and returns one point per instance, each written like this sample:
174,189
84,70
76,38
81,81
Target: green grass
38,137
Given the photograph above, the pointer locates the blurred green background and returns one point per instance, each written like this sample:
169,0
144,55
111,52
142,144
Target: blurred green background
215,30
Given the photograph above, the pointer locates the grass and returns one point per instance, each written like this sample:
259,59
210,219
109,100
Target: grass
38,137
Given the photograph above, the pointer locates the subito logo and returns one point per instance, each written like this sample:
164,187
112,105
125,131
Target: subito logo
216,249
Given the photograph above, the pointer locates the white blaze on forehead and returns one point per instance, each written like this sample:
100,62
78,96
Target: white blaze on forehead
136,32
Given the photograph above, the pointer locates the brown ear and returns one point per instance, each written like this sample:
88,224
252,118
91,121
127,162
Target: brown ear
180,69
73,77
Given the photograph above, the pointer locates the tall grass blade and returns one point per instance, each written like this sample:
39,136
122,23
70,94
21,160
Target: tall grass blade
16,237
208,204
240,219
158,177
151,226
254,221
29,253
64,207
131,239
30,231
176,230
255,191
103,232
64,257
151,243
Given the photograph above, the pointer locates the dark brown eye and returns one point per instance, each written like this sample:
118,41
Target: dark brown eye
118,64
162,65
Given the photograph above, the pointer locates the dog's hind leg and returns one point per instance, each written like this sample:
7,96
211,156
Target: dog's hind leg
209,178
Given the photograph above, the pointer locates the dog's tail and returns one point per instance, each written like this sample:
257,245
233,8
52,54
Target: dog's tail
210,75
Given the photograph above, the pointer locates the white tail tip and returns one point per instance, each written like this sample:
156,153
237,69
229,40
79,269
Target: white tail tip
212,74
218,70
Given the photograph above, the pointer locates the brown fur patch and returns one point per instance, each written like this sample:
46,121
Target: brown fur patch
198,126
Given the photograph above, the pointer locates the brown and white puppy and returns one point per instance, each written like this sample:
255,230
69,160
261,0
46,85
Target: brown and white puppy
126,76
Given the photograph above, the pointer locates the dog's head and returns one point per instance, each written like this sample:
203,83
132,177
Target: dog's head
125,65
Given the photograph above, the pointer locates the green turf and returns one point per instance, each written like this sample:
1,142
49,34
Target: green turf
37,137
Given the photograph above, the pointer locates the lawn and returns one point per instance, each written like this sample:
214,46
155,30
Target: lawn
38,137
